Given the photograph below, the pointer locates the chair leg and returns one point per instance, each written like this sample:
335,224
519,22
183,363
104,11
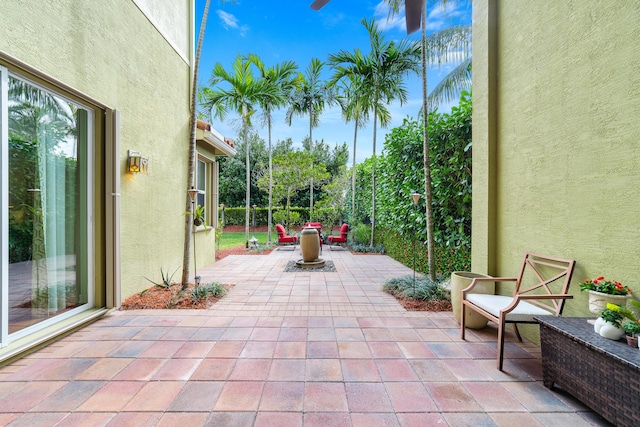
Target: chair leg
462,317
500,343
515,329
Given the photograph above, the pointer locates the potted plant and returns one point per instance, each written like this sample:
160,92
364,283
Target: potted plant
632,330
198,216
609,324
603,292
632,327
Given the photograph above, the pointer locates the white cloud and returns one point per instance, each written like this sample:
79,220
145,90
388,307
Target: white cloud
386,21
230,21
437,19
332,20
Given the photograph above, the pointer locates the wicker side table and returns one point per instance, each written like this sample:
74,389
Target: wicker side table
603,374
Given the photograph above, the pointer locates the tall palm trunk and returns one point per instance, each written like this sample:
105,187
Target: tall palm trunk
311,152
427,160
373,175
270,183
353,174
188,222
248,175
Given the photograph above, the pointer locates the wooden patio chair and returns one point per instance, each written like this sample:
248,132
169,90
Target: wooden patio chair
535,293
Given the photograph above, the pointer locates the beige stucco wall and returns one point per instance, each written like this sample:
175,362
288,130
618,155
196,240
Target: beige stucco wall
113,53
556,136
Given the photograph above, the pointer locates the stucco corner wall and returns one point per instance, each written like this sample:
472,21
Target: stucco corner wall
556,141
132,56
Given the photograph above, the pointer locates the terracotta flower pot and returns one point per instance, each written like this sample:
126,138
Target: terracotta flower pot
632,341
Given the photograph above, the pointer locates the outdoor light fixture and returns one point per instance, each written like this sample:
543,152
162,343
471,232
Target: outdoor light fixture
416,198
136,163
193,192
253,241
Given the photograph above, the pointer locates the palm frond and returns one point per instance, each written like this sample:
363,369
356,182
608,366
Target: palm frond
449,88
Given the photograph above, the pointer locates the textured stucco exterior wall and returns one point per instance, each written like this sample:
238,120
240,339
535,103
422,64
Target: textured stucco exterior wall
565,153
113,53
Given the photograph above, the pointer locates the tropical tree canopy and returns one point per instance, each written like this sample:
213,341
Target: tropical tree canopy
310,97
239,91
282,78
382,72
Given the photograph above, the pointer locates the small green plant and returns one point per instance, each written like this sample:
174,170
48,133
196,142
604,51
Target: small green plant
218,232
424,290
167,280
361,234
203,291
199,217
612,315
365,248
615,311
632,328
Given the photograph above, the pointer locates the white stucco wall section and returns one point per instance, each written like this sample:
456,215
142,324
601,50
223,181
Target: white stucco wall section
171,18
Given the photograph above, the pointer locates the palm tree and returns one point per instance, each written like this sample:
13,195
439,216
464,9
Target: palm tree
383,71
438,47
188,224
310,97
241,93
354,107
281,76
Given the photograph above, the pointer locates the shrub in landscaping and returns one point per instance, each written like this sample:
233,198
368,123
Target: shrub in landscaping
203,291
423,290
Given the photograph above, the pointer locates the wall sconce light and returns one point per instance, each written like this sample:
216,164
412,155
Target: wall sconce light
136,163
193,192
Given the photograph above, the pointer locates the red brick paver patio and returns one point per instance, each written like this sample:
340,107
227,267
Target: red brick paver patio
285,349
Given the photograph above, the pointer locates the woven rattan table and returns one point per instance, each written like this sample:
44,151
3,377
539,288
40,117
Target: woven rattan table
603,374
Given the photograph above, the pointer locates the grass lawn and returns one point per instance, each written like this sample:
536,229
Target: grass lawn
235,239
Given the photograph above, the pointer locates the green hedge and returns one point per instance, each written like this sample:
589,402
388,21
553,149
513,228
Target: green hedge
236,216
401,249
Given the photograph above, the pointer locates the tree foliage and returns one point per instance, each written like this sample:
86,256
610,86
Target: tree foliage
382,71
232,183
291,173
451,175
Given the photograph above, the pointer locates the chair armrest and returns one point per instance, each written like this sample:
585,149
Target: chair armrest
544,296
475,281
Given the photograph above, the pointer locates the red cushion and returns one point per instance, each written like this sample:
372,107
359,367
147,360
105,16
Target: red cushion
337,239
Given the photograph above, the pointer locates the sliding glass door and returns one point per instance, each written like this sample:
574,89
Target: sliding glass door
46,263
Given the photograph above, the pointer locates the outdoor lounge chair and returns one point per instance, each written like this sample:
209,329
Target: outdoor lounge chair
283,239
532,296
342,238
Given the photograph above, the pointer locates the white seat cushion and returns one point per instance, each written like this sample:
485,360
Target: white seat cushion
493,304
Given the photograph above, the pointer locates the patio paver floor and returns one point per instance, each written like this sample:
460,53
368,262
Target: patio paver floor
285,349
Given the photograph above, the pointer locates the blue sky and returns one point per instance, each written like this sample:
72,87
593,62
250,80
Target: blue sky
291,30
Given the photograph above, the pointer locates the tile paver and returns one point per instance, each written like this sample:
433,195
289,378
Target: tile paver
293,349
